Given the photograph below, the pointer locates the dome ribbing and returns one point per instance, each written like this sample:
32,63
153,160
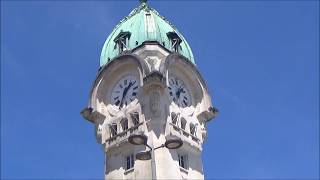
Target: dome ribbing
141,25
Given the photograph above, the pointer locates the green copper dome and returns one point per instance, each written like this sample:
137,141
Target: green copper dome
144,24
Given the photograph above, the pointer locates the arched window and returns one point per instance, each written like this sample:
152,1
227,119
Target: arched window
174,118
113,129
122,40
135,118
124,124
193,129
183,124
175,41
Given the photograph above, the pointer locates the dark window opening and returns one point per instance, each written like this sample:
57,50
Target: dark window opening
113,129
175,41
124,124
122,40
192,129
183,124
135,118
174,118
183,161
129,161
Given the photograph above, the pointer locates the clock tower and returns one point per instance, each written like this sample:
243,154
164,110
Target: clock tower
149,103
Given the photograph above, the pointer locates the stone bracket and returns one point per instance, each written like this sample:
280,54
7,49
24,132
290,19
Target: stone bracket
206,116
92,116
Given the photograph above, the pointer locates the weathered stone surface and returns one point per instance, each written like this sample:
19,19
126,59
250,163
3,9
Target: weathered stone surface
154,109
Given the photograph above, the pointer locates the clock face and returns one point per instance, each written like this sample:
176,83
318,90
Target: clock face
178,92
125,91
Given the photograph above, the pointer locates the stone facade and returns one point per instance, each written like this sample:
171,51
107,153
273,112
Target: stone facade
152,113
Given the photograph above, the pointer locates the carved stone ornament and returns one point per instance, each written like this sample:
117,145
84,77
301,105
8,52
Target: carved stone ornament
153,63
155,103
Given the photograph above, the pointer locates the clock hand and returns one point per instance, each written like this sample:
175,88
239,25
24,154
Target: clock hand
130,84
127,89
121,102
179,92
125,93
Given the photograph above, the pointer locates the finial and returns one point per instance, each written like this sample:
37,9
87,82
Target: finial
143,1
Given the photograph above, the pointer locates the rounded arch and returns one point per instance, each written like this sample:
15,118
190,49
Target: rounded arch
104,71
177,58
177,65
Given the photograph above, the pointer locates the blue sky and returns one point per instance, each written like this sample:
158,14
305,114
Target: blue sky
260,60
